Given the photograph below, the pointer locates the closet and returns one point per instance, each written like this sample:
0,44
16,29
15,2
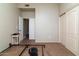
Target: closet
69,30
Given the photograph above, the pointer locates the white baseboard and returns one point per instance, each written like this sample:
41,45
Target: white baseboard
74,52
46,41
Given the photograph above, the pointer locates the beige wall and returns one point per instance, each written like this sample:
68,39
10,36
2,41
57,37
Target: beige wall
46,22
28,14
8,23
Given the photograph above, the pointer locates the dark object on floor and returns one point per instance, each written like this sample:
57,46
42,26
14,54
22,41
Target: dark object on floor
33,51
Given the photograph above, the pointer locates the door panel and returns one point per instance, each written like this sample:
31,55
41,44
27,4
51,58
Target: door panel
31,28
69,30
72,40
20,28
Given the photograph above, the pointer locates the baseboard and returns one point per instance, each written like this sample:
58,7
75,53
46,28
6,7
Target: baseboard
4,50
31,39
38,41
69,50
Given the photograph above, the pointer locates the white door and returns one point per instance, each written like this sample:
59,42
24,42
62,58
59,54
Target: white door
72,41
20,28
31,28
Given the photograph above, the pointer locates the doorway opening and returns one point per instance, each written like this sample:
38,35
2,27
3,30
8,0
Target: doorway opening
27,24
26,28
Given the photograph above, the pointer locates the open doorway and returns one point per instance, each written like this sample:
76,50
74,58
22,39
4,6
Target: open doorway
26,28
27,23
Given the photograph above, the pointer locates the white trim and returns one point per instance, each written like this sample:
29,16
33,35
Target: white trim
46,41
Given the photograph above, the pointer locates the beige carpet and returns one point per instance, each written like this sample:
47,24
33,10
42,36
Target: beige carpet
57,49
13,51
51,49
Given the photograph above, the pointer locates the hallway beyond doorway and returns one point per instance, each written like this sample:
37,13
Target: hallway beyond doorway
26,28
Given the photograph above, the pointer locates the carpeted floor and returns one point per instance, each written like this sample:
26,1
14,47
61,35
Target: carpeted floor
51,49
13,51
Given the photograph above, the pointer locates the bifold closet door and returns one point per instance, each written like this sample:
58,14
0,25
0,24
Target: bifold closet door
71,25
69,30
